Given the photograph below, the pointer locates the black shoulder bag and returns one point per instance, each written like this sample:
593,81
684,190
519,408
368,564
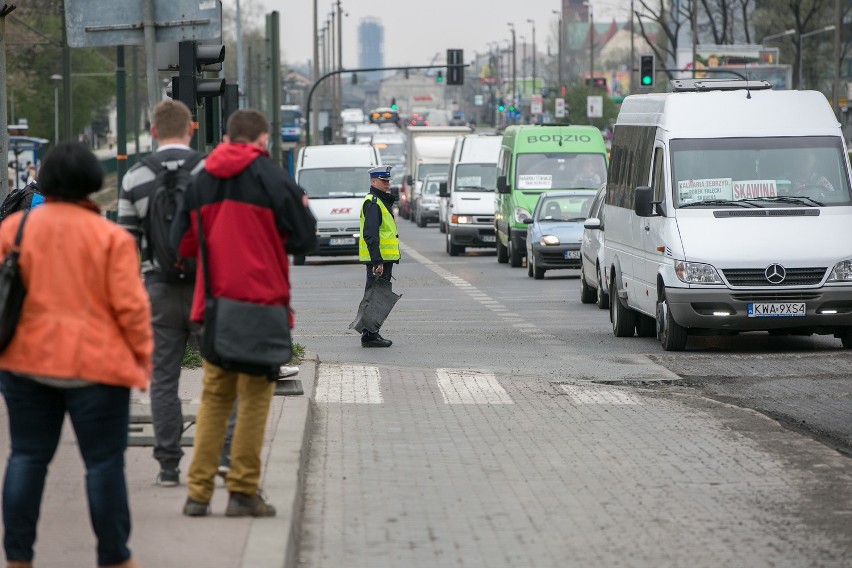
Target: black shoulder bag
12,289
242,336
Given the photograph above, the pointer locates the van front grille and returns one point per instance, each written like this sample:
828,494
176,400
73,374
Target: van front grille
757,277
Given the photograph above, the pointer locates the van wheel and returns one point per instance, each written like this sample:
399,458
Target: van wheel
515,257
453,250
672,335
420,222
299,260
846,338
623,318
587,295
646,326
502,252
602,296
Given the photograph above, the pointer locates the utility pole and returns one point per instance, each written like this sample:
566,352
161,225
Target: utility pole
632,50
339,79
314,119
559,50
514,66
835,91
535,92
591,49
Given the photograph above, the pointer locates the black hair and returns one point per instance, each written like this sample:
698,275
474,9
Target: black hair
70,171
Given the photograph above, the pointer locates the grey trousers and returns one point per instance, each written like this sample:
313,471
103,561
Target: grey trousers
170,306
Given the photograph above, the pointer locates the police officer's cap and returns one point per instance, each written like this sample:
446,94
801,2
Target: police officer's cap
381,172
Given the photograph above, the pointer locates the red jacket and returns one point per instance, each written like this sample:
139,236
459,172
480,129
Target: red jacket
253,215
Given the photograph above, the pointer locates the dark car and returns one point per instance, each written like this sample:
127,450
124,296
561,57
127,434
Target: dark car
555,230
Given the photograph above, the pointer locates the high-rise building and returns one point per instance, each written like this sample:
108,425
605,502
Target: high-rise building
371,41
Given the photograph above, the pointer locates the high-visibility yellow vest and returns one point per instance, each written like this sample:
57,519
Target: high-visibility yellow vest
388,239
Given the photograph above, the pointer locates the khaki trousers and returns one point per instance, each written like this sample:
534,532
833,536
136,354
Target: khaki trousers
221,388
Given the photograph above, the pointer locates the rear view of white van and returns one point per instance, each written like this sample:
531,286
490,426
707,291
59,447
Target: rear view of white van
467,204
729,210
336,181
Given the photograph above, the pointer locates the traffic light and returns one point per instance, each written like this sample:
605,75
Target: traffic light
393,103
501,106
188,87
455,67
646,70
440,76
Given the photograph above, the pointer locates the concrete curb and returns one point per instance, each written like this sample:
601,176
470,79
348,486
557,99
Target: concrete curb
274,542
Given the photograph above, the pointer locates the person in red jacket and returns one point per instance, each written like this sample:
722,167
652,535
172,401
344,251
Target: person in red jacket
83,341
252,214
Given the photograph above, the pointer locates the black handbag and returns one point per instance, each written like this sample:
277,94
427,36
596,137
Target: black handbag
242,336
12,289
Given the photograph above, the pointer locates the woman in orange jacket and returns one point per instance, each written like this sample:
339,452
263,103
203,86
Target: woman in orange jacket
82,342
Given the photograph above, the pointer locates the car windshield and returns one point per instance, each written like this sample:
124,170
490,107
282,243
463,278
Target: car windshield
760,172
476,177
565,208
330,183
426,169
432,185
390,148
560,171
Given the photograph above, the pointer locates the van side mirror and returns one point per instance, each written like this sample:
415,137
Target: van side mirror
502,185
395,192
643,204
593,223
409,179
442,189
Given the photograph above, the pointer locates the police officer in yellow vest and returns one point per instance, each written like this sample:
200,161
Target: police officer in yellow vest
378,247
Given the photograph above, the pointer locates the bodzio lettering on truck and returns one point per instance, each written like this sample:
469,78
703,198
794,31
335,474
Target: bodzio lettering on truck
558,138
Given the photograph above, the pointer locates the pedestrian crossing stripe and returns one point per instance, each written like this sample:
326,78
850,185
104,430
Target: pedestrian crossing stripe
459,386
597,395
354,384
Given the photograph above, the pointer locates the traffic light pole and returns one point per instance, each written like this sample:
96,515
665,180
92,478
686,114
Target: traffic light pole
359,70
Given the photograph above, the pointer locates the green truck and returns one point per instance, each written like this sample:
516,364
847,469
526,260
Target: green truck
534,160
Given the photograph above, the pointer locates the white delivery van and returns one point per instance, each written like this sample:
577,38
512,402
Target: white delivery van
728,210
467,203
336,180
429,151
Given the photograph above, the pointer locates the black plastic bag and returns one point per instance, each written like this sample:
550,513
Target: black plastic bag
379,299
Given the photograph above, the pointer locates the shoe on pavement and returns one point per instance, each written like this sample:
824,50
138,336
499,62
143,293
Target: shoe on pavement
168,478
374,340
242,505
287,371
193,508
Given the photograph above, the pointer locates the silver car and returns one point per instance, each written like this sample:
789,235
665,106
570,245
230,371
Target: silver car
593,283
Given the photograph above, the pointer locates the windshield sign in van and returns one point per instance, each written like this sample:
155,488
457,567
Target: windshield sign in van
729,210
534,160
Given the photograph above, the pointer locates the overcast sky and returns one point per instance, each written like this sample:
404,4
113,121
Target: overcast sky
416,31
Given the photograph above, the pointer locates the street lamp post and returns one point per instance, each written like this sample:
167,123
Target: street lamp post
56,78
523,65
531,21
514,64
801,47
559,50
591,48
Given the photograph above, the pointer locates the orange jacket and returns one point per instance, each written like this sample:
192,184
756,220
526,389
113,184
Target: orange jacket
86,314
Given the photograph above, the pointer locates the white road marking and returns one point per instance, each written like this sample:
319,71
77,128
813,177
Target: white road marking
460,386
598,395
348,384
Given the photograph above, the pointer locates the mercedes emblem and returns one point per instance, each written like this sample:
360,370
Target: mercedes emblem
775,273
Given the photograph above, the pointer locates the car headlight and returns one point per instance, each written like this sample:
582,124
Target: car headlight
461,219
548,240
842,272
521,214
696,273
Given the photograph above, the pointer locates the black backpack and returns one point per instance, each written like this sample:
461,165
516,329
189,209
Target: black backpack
19,200
172,179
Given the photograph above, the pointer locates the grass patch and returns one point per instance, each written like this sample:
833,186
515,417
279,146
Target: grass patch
192,358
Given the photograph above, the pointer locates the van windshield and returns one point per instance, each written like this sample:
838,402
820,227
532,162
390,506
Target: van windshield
476,177
797,171
560,171
332,183
426,169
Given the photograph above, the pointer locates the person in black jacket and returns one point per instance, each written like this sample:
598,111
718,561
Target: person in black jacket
253,214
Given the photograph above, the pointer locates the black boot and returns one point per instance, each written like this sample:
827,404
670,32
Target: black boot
369,339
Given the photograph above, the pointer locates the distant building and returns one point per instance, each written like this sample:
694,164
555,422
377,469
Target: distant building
371,41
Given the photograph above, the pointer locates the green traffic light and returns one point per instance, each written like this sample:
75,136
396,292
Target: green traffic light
646,80
501,108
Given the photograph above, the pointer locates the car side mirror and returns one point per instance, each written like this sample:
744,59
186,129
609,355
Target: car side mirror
643,204
409,179
442,189
395,192
593,223
502,185
528,220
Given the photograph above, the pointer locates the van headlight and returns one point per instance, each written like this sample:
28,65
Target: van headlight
842,272
696,273
521,214
548,240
